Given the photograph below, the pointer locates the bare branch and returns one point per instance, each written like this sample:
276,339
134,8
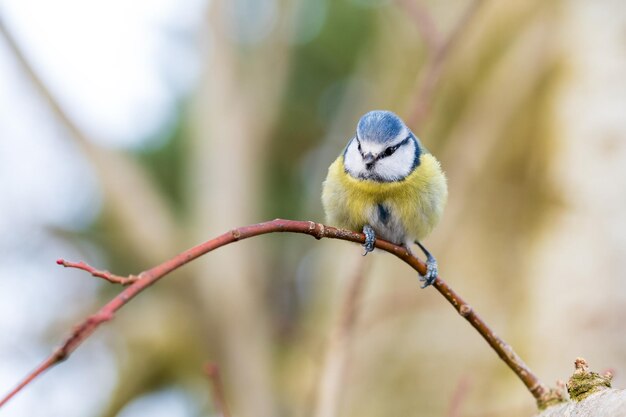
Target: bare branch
317,230
106,275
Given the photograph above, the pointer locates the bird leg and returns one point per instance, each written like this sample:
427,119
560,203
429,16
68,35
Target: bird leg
370,239
431,267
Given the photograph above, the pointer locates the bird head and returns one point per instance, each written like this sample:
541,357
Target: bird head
383,148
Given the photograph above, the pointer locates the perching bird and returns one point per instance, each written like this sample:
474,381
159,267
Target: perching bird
386,184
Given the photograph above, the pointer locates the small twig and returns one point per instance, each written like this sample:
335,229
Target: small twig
336,361
217,388
435,65
317,230
106,275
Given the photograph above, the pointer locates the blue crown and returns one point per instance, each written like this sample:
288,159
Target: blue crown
379,126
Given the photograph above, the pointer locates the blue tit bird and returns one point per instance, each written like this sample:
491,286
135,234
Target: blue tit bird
386,184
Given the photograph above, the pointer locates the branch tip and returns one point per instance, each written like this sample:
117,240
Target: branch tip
106,275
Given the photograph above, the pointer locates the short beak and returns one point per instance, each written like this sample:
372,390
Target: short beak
369,159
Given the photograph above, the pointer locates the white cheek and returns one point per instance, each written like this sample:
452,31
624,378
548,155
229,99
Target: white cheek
398,165
353,161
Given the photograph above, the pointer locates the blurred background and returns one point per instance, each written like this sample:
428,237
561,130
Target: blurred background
130,131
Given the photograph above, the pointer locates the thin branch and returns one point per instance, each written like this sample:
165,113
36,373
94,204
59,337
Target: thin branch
217,388
336,361
420,107
106,275
317,230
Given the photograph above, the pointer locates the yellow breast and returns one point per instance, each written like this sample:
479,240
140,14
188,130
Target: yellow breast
415,203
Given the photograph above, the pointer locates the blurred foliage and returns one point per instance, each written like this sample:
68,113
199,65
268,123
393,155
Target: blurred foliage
317,66
166,162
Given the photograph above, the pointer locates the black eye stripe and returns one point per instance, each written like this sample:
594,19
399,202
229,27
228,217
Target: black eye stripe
358,142
390,150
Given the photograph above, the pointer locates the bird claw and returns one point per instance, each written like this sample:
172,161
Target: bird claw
432,272
370,239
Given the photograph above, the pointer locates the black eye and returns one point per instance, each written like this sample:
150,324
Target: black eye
389,151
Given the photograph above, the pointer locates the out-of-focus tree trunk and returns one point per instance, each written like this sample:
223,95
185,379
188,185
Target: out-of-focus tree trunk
582,250
230,121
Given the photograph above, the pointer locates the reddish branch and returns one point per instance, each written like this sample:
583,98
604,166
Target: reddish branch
317,230
106,275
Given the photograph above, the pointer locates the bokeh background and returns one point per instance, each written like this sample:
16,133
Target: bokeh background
130,131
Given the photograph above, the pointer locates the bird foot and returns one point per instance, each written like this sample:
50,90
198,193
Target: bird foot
370,239
432,272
